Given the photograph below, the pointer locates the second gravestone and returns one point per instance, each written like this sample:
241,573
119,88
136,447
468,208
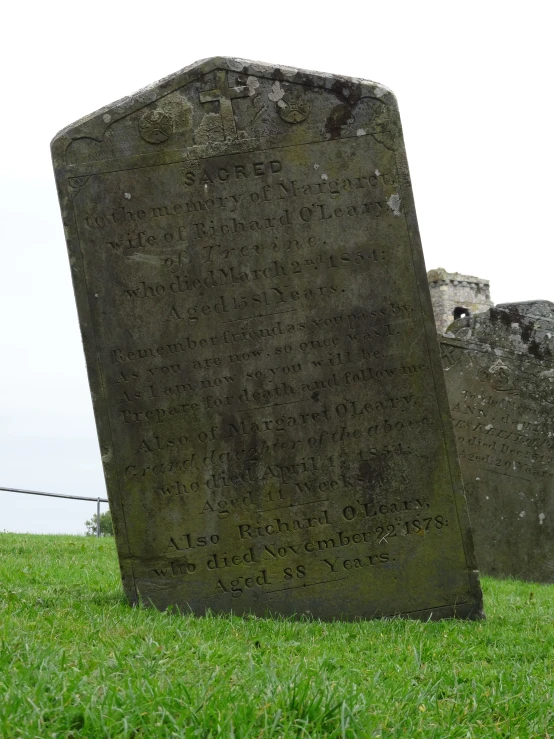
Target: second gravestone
261,350
499,369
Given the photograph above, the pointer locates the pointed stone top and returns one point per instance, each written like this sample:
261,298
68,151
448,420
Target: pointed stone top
96,124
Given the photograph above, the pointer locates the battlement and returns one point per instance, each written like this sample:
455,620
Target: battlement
456,296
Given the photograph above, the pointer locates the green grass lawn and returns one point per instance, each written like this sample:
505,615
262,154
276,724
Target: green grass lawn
76,661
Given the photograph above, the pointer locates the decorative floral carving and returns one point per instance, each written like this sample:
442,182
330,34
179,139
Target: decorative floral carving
77,182
293,107
155,126
499,377
385,127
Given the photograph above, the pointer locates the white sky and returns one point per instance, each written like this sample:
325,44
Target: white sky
475,89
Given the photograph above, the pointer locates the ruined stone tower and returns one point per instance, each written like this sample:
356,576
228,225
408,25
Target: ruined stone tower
454,296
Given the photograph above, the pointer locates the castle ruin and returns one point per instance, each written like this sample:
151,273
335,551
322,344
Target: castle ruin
456,296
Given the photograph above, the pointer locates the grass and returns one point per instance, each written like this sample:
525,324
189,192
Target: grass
76,661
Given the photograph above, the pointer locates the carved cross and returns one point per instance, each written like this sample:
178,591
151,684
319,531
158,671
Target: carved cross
450,355
224,95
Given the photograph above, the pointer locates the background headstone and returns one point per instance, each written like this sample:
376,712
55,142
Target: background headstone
499,369
261,350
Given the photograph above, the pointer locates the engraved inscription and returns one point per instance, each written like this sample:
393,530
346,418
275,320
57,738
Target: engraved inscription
501,401
260,340
259,348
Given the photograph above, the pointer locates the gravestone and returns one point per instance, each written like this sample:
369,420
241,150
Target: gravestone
261,349
499,369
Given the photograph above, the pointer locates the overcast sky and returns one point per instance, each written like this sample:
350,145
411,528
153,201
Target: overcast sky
474,85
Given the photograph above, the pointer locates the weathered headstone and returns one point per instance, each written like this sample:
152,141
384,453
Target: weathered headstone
261,349
499,369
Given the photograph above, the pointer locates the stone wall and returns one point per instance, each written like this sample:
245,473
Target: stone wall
457,296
